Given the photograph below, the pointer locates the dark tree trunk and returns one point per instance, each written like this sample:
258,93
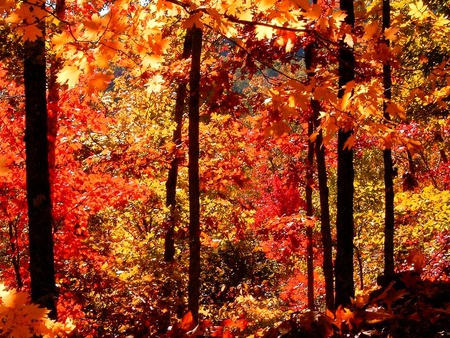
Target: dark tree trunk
325,226
309,62
53,105
42,271
310,214
171,183
194,181
345,177
388,165
15,251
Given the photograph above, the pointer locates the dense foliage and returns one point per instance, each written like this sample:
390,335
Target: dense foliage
116,71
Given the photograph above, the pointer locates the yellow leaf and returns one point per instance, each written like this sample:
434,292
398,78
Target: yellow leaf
266,4
348,39
153,61
417,10
69,75
154,84
263,32
345,100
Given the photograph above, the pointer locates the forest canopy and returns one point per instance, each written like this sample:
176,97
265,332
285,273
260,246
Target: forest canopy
193,168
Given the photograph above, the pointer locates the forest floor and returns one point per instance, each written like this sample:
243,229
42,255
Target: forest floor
404,306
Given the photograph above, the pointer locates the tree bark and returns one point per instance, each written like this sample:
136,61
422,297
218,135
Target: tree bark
194,180
388,164
325,227
310,214
171,183
42,271
345,177
53,106
319,148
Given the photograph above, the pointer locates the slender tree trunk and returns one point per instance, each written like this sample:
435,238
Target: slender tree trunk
387,157
344,219
194,181
309,63
310,214
325,226
171,183
15,252
53,106
327,264
42,271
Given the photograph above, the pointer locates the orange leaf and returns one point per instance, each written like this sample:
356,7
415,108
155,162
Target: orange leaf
194,19
30,32
389,33
99,82
187,323
350,143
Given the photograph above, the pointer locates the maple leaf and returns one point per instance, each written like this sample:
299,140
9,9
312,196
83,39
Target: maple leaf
69,75
30,32
390,33
370,31
395,109
154,84
263,32
314,12
348,39
266,4
99,82
350,143
194,19
153,61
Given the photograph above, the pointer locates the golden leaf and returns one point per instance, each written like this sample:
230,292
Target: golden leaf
266,4
69,75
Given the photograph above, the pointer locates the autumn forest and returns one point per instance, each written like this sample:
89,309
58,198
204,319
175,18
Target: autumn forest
226,168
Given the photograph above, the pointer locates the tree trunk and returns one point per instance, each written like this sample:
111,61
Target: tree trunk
387,157
309,63
345,177
325,227
15,251
327,264
194,181
310,214
53,106
171,183
42,271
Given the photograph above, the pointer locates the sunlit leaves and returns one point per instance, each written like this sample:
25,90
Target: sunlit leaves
69,75
22,319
